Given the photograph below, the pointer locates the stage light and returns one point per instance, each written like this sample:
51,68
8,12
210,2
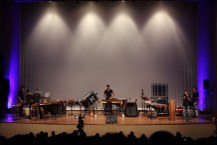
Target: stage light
14,69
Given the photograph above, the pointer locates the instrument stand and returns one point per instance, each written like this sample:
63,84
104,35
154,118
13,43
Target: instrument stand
80,111
206,94
111,118
15,112
72,104
71,111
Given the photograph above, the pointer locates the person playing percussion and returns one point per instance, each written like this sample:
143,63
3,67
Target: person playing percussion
21,96
37,97
108,94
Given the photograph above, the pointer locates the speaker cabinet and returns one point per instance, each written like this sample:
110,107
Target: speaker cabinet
131,109
4,92
206,84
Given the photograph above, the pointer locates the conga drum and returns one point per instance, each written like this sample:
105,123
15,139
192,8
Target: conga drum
172,109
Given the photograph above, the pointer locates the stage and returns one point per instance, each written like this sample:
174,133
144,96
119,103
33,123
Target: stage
196,127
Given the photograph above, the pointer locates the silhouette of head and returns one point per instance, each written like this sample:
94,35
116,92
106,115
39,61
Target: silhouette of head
162,137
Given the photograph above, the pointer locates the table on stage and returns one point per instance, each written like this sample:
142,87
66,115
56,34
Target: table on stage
154,108
53,107
72,104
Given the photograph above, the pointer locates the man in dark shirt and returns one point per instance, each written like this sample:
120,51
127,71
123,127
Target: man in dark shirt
108,94
195,96
37,101
37,97
185,102
28,98
28,101
21,96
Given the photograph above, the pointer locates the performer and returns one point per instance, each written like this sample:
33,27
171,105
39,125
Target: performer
37,101
28,101
195,96
108,94
185,102
29,98
21,96
37,97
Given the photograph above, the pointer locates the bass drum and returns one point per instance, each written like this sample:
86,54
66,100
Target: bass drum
89,99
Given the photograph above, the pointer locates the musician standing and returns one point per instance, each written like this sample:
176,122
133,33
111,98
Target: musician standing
29,98
21,96
37,101
195,96
108,94
37,97
185,102
28,101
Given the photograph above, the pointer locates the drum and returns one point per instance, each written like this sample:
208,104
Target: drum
89,99
172,109
27,112
179,110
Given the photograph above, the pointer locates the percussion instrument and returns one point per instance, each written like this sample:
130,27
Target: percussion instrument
89,99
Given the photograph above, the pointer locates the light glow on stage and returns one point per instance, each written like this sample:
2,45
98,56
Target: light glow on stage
203,60
122,47
89,31
14,68
119,36
166,42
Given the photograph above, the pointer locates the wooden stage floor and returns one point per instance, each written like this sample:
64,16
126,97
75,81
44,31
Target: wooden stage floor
201,126
71,118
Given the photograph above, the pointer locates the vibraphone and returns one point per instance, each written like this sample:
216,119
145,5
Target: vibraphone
119,103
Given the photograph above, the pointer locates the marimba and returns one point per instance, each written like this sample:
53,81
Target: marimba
119,103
